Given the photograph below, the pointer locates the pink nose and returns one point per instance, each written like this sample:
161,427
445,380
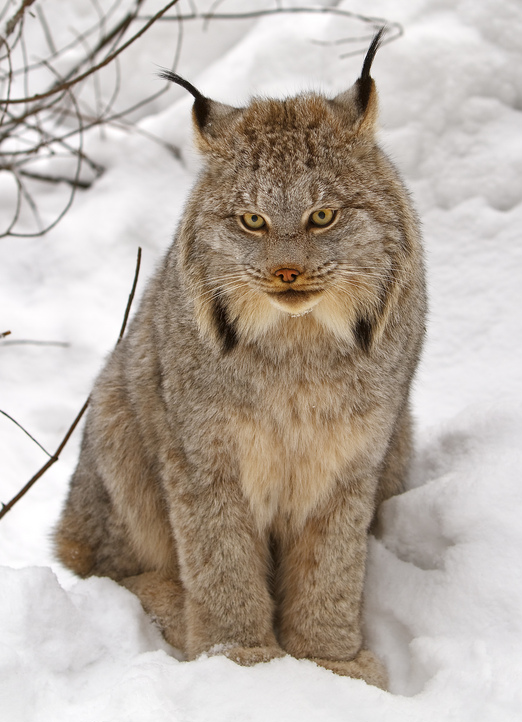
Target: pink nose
287,275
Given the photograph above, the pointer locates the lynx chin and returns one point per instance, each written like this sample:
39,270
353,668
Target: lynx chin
242,435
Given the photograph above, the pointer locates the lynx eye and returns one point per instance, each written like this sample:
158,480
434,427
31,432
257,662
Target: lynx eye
322,217
253,221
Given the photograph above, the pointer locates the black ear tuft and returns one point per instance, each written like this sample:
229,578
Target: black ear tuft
364,83
201,104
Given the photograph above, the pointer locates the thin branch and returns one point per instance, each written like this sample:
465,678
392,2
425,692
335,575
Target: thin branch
25,432
17,17
68,46
46,30
249,14
131,297
7,507
68,84
48,140
9,81
18,206
29,200
73,184
32,342
56,179
28,130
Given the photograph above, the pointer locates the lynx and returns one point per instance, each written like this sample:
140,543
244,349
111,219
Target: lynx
242,435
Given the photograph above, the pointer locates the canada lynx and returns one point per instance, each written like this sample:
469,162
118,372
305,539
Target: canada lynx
242,435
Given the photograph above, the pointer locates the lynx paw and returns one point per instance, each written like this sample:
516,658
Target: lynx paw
364,666
248,656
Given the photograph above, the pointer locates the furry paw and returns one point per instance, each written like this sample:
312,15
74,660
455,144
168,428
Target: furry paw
364,666
248,656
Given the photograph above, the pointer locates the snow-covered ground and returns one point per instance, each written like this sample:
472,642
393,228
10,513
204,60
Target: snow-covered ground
444,589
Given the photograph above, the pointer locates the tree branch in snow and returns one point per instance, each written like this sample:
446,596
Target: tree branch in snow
30,341
4,413
42,133
54,457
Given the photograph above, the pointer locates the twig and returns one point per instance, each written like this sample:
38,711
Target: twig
7,507
25,432
131,297
68,84
280,10
46,30
33,131
5,333
32,342
16,19
56,179
65,48
73,184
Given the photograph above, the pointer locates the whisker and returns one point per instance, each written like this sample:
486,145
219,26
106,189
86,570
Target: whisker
220,279
365,270
346,287
330,292
380,269
373,276
221,290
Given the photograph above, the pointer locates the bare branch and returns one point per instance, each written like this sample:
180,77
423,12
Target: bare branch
25,431
54,458
46,29
31,342
32,131
56,179
17,17
68,84
7,507
131,297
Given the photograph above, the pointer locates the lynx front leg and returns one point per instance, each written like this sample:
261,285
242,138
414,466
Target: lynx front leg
224,572
320,585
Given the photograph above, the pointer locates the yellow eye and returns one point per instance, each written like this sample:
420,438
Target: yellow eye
322,217
253,221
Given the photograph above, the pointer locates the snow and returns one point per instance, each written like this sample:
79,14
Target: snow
444,585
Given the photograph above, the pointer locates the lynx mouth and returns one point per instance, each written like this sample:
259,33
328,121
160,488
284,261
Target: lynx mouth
295,303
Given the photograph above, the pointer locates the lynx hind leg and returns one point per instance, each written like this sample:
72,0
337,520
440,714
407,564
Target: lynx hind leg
364,666
162,597
88,539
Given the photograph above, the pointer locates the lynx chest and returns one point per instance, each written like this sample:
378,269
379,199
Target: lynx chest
293,448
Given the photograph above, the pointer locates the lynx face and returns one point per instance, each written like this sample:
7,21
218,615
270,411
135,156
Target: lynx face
299,212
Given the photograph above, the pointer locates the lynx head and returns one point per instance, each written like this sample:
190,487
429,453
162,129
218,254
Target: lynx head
297,213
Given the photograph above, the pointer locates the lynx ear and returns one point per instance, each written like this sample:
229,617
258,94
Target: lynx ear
359,103
209,116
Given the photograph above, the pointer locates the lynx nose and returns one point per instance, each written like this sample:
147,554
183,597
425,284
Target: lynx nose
287,275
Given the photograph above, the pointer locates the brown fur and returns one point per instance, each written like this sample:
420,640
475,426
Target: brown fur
242,434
